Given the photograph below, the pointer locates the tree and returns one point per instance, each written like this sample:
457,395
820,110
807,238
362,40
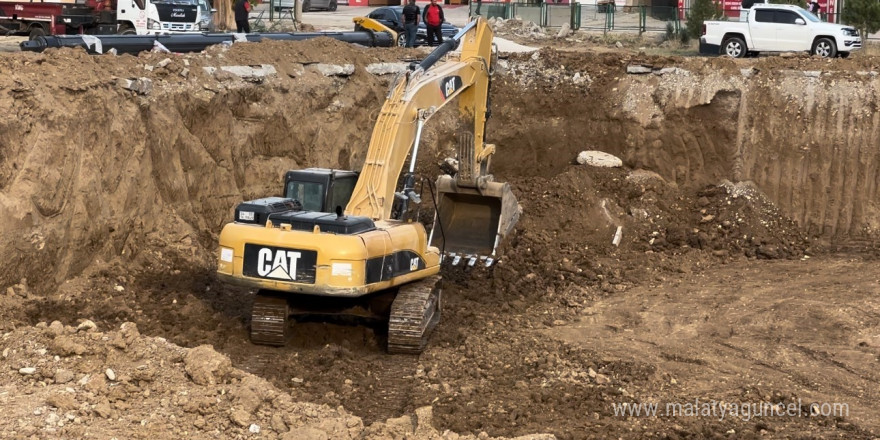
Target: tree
700,11
225,16
863,15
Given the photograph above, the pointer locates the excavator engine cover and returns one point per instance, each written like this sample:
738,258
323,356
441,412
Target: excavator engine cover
471,222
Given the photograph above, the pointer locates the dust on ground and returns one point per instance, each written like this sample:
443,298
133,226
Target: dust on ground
718,288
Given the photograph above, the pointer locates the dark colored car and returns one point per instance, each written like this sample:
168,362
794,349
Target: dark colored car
391,16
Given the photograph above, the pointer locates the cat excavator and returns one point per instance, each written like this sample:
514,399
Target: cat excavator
306,254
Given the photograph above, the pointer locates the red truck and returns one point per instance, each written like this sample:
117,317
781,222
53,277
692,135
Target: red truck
99,17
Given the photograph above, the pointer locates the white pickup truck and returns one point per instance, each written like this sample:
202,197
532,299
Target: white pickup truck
778,28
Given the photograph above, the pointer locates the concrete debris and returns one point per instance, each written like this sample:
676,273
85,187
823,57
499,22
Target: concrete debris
141,86
332,69
386,68
27,371
256,72
599,159
638,69
164,62
110,374
564,31
672,71
748,73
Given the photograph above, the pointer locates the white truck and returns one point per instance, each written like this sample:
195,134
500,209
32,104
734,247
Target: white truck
778,28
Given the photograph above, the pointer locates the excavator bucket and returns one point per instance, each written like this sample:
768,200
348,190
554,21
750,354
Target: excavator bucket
471,222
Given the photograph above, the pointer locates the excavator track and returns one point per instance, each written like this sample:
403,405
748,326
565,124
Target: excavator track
414,314
269,320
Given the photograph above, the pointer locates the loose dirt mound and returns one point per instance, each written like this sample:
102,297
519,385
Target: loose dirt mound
75,382
115,201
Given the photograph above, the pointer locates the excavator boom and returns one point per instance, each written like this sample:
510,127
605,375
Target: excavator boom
474,213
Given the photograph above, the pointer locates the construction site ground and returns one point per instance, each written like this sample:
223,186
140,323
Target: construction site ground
745,269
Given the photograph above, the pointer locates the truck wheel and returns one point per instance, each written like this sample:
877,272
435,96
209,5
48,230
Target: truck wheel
734,47
306,5
825,48
126,30
333,5
401,40
36,32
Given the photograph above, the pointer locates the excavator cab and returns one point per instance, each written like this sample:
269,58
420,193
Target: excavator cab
320,189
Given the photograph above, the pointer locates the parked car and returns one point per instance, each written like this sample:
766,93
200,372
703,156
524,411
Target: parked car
308,5
391,16
206,16
778,28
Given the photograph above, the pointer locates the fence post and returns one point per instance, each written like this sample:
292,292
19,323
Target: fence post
643,21
677,21
543,14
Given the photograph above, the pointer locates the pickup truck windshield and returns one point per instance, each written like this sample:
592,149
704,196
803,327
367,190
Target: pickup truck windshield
809,15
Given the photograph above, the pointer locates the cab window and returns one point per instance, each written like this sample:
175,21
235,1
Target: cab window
310,194
342,189
764,16
786,17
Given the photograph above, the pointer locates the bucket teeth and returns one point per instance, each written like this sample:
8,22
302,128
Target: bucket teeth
471,259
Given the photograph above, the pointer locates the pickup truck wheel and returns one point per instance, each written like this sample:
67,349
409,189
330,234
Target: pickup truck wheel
825,48
734,47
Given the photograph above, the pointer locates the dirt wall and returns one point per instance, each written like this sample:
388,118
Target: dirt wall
807,137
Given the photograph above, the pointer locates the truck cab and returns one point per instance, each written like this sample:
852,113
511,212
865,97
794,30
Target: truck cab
778,28
145,17
99,17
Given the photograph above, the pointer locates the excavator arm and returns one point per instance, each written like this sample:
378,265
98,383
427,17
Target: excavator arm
474,212
416,96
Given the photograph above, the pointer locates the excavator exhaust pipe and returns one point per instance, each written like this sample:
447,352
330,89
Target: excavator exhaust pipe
471,222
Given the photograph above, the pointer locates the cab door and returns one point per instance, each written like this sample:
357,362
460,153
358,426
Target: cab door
762,30
790,34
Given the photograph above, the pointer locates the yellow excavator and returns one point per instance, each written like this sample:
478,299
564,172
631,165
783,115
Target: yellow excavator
306,254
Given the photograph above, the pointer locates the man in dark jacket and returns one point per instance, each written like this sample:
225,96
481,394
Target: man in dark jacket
242,10
433,16
411,22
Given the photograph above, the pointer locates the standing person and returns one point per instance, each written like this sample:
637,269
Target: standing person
242,10
411,16
433,16
814,7
479,3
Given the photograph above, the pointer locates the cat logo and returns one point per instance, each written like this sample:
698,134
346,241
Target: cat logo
414,264
450,85
282,265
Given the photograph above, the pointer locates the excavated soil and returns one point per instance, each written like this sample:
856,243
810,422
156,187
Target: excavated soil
747,209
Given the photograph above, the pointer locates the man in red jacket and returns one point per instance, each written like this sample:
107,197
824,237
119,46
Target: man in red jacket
433,17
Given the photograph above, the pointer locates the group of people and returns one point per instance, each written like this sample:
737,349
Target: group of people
433,18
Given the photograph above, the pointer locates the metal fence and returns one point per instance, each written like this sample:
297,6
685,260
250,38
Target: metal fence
604,17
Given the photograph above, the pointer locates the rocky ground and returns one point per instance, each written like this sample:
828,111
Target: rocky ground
706,266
